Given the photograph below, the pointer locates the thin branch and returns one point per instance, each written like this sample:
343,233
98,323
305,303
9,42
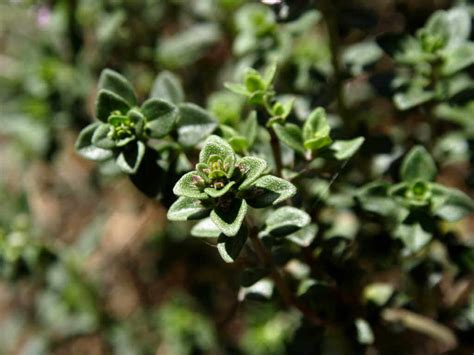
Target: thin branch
330,17
280,283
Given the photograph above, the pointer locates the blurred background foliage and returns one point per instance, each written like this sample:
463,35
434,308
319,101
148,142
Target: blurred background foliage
90,266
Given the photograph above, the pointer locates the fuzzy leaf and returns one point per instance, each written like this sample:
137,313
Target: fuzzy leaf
160,116
345,149
252,168
112,81
101,137
291,135
316,130
269,190
130,157
205,228
230,247
418,165
185,208
85,147
455,205
108,102
458,58
412,98
229,218
250,128
194,124
237,88
215,145
414,237
305,236
218,193
286,220
186,187
168,87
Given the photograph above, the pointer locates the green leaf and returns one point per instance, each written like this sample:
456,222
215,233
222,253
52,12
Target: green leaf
291,135
269,190
167,87
345,149
455,204
85,147
251,168
249,128
459,27
418,165
130,157
186,186
161,117
205,229
215,193
185,47
458,58
230,247
364,332
215,145
229,218
269,74
374,197
185,208
411,98
305,236
413,236
101,137
114,82
239,89
316,130
286,220
194,124
378,293
108,102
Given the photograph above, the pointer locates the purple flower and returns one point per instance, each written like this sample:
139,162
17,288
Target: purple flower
43,16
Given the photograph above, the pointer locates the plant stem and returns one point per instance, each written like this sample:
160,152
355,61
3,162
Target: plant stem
330,17
280,283
276,151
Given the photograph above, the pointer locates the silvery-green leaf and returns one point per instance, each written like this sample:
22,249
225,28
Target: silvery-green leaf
168,87
249,128
215,193
455,204
286,220
364,332
112,81
230,247
108,102
412,98
251,168
130,157
268,190
378,293
215,145
186,186
344,149
458,58
185,208
194,124
291,135
414,237
305,236
161,117
205,229
88,150
418,165
229,218
101,137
